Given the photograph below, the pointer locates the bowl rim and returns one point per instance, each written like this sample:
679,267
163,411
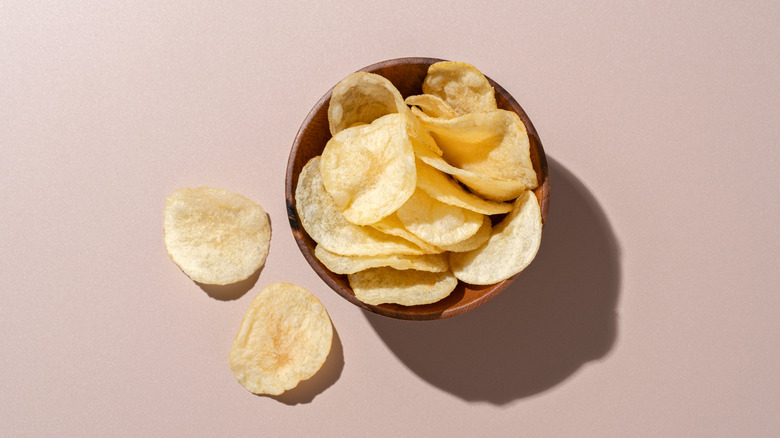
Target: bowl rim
393,311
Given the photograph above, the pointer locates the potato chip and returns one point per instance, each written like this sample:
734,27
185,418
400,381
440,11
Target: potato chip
285,337
432,106
350,264
461,85
408,288
491,143
369,170
436,222
393,226
512,246
496,189
482,235
324,223
215,236
442,188
362,98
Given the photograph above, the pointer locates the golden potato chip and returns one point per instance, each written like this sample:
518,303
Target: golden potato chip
442,188
408,288
512,246
369,170
496,189
215,236
324,223
491,143
284,338
350,264
432,106
461,85
436,222
482,235
362,98
393,226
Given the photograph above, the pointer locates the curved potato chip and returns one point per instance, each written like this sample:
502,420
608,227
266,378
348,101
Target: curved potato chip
215,236
350,264
369,170
513,244
496,189
392,225
461,85
436,222
491,143
432,105
324,223
442,188
362,98
408,288
285,337
482,235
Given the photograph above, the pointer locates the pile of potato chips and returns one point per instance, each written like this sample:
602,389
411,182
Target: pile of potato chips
401,198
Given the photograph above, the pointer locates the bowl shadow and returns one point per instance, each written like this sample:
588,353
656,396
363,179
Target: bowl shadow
559,313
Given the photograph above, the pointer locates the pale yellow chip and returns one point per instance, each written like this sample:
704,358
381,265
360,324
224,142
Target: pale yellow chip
393,226
482,235
496,189
431,105
324,223
492,143
362,98
408,288
215,236
461,85
443,188
285,337
436,222
512,246
350,264
369,170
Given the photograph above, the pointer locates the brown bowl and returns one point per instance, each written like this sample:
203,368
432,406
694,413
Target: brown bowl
407,74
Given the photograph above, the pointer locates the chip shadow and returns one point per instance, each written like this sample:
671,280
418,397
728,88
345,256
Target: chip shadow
559,314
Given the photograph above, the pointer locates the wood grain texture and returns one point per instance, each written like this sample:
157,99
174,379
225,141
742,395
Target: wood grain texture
407,74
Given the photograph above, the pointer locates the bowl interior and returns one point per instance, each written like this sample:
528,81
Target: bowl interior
407,74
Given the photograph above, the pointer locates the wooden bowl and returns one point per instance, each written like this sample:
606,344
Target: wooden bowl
407,74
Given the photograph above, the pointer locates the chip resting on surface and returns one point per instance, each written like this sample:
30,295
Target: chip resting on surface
369,170
408,288
350,264
284,338
215,236
512,246
324,223
461,85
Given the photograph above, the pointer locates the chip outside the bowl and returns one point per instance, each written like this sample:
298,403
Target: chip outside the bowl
284,338
215,236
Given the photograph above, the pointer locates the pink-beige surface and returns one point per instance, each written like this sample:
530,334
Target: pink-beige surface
651,309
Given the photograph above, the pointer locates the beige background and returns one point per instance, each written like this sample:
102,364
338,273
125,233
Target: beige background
651,309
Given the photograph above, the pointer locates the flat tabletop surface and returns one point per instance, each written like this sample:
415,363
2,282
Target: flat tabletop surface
650,310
